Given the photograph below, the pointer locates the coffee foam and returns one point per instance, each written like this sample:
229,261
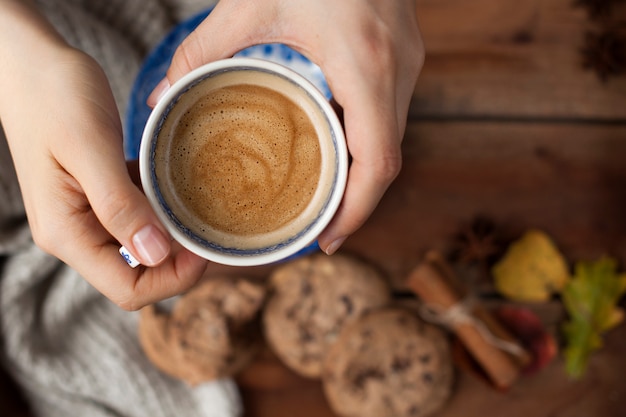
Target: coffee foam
244,160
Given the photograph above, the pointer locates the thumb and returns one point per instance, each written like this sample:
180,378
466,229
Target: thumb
229,28
224,32
128,216
137,242
120,206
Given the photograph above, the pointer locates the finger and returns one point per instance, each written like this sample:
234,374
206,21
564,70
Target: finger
373,139
75,235
126,213
98,165
224,32
132,289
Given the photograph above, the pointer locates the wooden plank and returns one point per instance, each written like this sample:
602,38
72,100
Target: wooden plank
510,59
567,179
271,390
550,392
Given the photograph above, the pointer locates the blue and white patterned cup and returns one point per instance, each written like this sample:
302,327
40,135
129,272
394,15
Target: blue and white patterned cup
231,174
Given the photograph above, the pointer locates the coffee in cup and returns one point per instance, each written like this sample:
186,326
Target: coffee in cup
244,161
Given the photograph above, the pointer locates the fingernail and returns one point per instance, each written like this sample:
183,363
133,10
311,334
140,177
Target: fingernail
158,92
151,246
129,258
335,245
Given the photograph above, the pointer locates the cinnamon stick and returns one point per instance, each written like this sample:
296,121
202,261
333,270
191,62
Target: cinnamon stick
434,282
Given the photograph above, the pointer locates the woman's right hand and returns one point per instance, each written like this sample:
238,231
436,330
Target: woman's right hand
65,137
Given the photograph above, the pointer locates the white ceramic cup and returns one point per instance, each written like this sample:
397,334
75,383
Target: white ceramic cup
291,238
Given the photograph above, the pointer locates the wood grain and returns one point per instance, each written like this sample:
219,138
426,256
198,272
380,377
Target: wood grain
549,393
510,59
504,122
568,179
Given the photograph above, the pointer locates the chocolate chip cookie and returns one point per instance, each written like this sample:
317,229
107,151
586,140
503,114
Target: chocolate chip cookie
211,332
311,299
389,363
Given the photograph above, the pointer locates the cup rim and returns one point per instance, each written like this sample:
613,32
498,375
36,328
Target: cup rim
233,256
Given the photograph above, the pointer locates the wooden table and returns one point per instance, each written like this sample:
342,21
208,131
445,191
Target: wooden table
271,390
504,123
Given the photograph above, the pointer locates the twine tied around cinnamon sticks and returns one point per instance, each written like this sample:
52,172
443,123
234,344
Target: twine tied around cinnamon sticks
460,313
444,302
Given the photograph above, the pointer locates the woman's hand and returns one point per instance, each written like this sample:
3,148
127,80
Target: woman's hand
65,138
371,53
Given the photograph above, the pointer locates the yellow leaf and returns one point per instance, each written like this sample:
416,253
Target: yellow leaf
616,317
532,269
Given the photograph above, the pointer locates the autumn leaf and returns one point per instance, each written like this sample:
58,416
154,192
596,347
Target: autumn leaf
591,299
531,270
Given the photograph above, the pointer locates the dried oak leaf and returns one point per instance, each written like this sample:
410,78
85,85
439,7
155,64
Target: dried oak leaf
591,299
531,270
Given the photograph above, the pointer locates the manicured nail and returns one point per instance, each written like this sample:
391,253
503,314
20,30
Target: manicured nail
129,258
158,92
150,245
335,245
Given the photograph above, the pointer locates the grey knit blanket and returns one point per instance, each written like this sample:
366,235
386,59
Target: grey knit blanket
73,352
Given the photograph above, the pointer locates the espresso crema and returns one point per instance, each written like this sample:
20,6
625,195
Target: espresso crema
241,162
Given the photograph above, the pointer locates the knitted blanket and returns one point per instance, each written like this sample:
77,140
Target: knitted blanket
73,352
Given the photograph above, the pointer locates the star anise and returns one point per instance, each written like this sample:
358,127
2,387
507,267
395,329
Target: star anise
605,53
476,242
598,9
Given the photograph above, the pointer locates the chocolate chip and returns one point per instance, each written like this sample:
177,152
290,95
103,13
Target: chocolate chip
219,304
366,374
306,288
400,364
347,301
428,378
291,312
402,321
413,411
305,335
425,359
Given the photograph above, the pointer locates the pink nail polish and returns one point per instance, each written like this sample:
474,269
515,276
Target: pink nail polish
335,245
159,91
151,246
